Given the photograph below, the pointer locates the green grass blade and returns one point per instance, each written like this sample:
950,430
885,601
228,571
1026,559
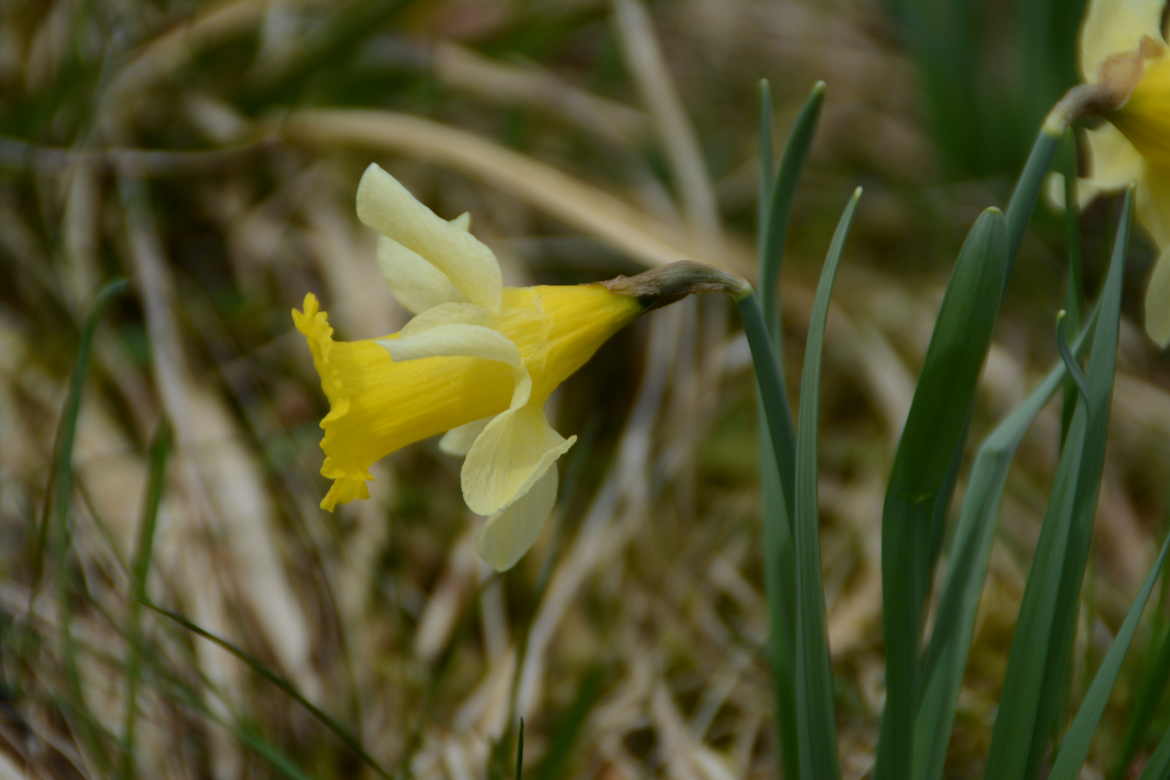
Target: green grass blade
1151,688
950,640
767,161
1075,374
58,529
61,478
774,232
774,215
159,451
1074,283
1037,671
923,475
767,370
566,731
1158,767
1074,749
781,593
780,589
816,726
520,751
269,752
777,216
351,741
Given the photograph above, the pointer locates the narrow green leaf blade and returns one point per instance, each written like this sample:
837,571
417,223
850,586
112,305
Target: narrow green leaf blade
1151,688
566,731
1037,672
775,201
950,640
520,751
816,725
1074,282
779,200
159,452
1075,746
58,525
350,739
923,475
766,162
1158,766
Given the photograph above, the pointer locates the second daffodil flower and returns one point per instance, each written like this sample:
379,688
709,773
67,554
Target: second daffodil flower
477,361
1126,63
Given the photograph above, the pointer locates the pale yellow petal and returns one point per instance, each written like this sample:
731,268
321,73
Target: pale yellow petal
1114,163
1087,190
460,340
513,451
450,313
505,537
1153,204
415,283
1158,301
388,207
1116,26
458,441
463,221
454,341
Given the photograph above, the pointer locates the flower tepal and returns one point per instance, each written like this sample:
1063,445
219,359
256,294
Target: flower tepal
1124,55
478,361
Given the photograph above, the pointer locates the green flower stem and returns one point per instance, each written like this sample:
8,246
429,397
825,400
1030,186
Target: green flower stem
1023,200
768,380
779,564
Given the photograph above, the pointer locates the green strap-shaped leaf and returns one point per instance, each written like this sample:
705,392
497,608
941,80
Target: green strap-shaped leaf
1158,767
159,452
950,639
923,475
775,206
57,528
1075,746
773,234
1036,680
815,724
1150,687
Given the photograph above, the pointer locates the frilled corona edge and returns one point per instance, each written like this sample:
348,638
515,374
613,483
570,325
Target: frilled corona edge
313,324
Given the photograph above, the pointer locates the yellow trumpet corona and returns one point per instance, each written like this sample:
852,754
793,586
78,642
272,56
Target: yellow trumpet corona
379,405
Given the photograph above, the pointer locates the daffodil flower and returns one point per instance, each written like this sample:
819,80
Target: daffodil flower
477,361
1125,61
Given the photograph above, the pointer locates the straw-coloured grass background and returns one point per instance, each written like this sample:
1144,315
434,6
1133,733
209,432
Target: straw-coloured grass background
209,153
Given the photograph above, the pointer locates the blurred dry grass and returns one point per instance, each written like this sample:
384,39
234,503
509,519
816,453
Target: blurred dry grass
210,153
